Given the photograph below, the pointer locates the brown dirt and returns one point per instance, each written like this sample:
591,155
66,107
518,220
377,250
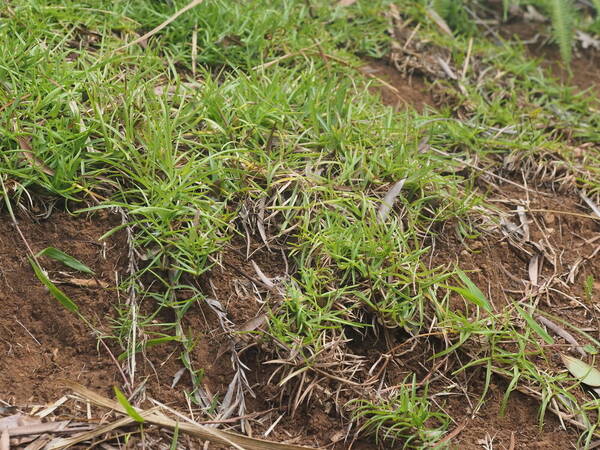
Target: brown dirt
500,270
411,91
518,425
41,342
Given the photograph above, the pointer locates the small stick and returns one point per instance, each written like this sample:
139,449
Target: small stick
155,30
451,435
565,213
561,332
467,59
127,385
28,332
194,50
283,57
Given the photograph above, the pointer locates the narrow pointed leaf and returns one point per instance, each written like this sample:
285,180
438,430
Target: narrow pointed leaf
56,292
471,292
67,260
128,408
535,326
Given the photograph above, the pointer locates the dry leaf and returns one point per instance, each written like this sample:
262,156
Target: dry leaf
587,40
5,441
389,200
582,371
533,15
253,324
441,23
266,280
534,269
87,283
344,3
590,203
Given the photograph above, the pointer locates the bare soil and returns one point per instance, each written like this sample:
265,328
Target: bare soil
40,341
501,270
409,91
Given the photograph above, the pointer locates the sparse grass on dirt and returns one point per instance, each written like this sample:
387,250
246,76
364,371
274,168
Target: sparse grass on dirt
298,261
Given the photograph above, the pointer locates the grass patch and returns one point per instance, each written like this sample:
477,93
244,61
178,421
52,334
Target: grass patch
182,139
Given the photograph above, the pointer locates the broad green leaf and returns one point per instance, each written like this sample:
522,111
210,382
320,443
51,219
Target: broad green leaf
67,260
582,371
125,404
56,292
535,326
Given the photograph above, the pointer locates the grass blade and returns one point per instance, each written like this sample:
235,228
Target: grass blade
128,408
67,260
535,326
472,292
56,292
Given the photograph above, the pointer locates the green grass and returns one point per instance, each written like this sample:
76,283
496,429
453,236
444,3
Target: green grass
178,155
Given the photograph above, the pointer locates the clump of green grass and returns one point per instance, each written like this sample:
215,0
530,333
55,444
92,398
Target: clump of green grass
405,416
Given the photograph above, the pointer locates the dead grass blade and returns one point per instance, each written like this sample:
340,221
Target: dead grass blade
590,203
61,443
389,200
235,440
441,23
155,30
27,152
5,441
86,283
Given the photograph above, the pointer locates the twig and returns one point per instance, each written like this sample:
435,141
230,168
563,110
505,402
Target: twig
28,332
194,50
283,57
451,435
13,218
155,30
561,332
467,60
110,354
566,213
